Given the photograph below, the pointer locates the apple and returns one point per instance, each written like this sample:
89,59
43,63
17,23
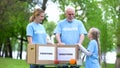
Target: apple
56,61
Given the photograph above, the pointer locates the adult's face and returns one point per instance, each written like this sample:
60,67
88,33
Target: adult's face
40,18
70,13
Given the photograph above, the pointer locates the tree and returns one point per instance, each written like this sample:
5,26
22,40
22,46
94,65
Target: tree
49,27
118,37
14,19
98,14
13,15
113,12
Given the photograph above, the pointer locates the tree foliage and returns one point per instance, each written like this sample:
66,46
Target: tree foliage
50,26
92,15
14,18
101,14
104,14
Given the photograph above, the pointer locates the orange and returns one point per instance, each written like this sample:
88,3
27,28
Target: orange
72,61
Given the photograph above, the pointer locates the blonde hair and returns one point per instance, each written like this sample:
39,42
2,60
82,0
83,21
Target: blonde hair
96,34
36,12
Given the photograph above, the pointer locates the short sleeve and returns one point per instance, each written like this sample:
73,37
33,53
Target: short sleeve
91,46
29,30
57,29
82,28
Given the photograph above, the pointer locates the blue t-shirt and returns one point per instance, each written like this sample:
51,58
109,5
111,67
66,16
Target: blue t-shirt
70,31
92,61
37,32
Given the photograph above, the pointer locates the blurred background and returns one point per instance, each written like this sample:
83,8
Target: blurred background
14,17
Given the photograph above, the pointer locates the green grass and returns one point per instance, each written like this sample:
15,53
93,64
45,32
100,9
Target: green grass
14,63
109,66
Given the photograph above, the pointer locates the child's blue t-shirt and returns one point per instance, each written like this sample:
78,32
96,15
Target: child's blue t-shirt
92,61
37,32
70,31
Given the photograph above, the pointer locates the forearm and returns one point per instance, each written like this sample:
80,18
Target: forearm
81,38
29,38
58,38
84,50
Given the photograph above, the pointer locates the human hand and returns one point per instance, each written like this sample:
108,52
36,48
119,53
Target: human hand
79,44
29,43
61,43
50,43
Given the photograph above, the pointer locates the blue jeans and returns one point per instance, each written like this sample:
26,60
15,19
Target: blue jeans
36,66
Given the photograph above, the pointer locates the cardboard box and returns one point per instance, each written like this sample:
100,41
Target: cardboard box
46,54
66,53
31,54
41,54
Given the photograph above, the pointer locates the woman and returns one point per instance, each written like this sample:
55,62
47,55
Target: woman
36,33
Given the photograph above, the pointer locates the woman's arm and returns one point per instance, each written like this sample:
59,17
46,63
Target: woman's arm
29,38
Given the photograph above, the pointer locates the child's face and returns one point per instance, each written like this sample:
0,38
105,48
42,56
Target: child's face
89,34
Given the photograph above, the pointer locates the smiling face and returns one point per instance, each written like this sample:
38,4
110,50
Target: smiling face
39,18
93,33
38,15
90,34
70,13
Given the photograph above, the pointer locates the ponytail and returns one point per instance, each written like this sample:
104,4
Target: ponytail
96,33
36,12
99,50
31,19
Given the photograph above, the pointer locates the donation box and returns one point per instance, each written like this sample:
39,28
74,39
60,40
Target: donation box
47,54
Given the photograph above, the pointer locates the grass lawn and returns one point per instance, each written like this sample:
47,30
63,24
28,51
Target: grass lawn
109,66
14,63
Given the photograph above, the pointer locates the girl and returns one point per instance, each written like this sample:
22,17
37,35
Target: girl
93,50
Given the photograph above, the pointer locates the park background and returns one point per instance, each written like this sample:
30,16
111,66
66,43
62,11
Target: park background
14,17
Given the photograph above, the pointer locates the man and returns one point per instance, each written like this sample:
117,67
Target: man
70,31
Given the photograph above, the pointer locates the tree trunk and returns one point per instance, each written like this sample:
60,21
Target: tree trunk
0,49
105,64
117,62
8,48
118,41
21,47
44,4
118,58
